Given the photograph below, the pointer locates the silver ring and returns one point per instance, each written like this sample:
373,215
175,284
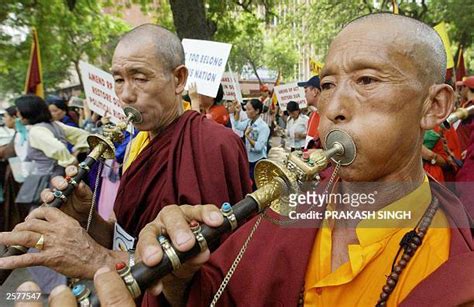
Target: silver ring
232,220
82,293
73,182
228,212
200,238
170,252
84,166
131,283
131,257
60,194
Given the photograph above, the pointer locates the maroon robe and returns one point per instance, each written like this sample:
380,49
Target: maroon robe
193,161
272,271
465,177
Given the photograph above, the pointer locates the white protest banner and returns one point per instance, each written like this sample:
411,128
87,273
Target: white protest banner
231,86
206,62
288,92
99,90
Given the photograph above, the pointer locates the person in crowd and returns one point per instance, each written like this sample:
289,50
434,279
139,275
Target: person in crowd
441,154
47,138
296,126
256,132
465,176
266,99
312,91
210,106
242,116
466,126
60,111
339,261
184,151
11,213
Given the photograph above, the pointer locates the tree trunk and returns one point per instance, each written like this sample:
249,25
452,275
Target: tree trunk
78,71
190,20
254,68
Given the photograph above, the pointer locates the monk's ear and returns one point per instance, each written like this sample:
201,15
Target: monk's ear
437,106
180,77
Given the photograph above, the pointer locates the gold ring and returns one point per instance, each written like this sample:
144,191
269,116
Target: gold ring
40,243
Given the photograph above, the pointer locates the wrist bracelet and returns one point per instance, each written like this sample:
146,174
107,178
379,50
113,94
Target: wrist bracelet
131,257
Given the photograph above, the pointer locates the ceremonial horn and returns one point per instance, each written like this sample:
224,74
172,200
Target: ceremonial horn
273,180
102,147
459,114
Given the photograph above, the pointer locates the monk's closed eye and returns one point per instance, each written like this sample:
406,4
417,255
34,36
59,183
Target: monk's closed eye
366,80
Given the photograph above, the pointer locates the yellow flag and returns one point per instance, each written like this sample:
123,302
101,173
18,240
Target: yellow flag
315,67
274,96
395,7
441,29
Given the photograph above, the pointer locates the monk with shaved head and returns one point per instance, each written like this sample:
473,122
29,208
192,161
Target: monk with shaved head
183,158
382,85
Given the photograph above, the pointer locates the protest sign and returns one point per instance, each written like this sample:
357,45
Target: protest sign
99,90
231,86
206,62
290,92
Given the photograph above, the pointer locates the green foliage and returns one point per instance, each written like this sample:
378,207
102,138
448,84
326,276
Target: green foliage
264,33
65,37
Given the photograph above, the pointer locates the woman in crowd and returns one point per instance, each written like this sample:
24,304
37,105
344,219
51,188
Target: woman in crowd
59,110
256,132
47,138
296,126
12,214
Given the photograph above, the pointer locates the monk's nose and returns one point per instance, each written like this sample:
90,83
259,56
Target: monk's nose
339,106
128,94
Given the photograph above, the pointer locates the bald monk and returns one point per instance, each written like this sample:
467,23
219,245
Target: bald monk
376,73
188,160
383,84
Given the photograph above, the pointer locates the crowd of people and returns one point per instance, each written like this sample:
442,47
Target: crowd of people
192,153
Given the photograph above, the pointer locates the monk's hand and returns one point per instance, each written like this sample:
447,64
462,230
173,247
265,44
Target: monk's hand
173,221
109,287
76,205
63,245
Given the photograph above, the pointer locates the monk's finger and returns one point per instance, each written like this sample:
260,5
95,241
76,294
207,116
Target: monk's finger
32,295
61,296
71,170
34,225
47,196
192,265
177,227
23,238
148,249
156,289
111,289
59,183
209,214
23,261
49,214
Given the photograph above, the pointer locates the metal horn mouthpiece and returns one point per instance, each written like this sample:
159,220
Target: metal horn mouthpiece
340,147
133,115
459,114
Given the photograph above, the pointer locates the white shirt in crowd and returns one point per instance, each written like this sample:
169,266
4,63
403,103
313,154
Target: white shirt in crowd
300,125
242,117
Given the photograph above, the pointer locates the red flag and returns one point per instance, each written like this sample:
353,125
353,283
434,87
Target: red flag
460,68
34,78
